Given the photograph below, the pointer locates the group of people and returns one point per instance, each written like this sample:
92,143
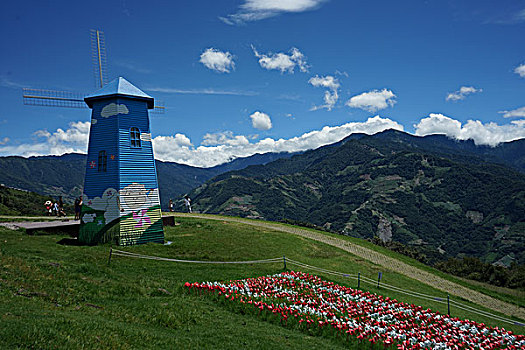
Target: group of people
55,208
187,203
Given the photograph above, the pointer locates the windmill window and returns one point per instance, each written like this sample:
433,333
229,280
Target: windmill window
102,161
135,137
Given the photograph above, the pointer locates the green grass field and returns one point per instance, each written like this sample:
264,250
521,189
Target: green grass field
65,296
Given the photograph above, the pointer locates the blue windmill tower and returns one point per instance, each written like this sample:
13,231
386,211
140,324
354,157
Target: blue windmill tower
121,195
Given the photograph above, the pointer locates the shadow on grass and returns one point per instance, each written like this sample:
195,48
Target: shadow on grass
70,242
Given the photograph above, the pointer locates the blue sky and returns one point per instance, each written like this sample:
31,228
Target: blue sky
246,76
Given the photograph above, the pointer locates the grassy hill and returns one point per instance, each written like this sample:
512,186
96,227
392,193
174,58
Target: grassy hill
421,192
66,296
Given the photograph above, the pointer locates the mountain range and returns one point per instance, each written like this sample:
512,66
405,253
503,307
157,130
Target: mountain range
447,198
64,175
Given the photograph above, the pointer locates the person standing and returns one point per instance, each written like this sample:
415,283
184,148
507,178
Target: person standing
187,201
61,211
49,208
77,208
171,205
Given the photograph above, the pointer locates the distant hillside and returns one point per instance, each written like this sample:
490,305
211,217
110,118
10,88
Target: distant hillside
64,175
18,202
51,175
439,195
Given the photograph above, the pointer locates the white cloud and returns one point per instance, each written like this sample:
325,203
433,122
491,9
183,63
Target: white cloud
255,10
221,147
373,101
4,141
261,121
280,5
112,109
520,70
330,97
515,113
179,140
224,138
482,134
281,61
438,124
76,134
217,60
463,92
206,156
73,139
520,123
327,81
203,91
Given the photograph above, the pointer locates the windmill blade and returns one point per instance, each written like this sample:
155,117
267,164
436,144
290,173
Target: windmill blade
159,107
53,98
98,53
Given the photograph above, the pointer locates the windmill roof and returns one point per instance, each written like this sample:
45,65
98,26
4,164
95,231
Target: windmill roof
119,87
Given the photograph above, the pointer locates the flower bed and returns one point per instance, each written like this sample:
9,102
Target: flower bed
302,300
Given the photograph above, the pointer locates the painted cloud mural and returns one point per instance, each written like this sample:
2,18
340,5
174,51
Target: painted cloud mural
131,199
114,109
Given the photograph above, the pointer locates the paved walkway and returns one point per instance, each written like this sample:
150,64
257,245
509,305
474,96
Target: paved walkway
64,224
34,225
50,218
385,261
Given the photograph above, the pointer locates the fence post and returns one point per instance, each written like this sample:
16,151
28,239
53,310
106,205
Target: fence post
284,261
110,252
359,280
448,303
379,275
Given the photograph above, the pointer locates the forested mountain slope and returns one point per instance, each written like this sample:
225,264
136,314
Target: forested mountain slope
423,192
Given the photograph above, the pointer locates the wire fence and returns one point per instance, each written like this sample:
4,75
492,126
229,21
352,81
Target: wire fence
141,256
438,299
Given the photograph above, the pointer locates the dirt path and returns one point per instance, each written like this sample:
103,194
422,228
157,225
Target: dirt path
386,261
